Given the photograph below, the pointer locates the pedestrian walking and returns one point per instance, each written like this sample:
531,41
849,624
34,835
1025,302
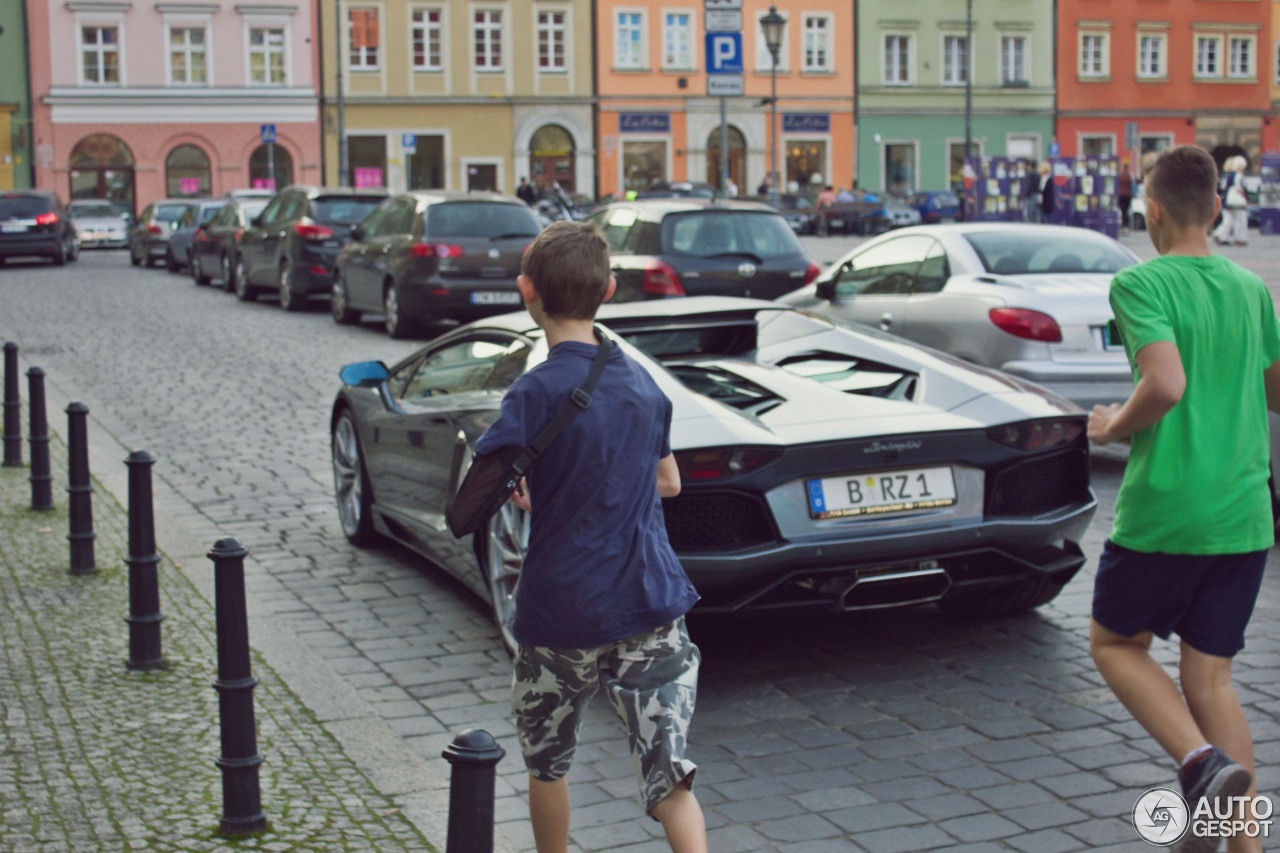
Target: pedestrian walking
1124,193
526,193
1182,558
602,598
730,189
825,199
1235,214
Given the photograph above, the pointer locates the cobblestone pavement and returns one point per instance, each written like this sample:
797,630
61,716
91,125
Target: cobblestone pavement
96,757
899,732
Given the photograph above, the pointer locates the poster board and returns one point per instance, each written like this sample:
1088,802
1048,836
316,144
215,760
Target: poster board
1269,194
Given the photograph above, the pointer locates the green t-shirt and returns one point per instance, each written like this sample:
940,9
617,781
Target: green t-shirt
1196,482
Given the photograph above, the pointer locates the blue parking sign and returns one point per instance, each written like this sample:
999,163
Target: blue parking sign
268,132
724,53
409,143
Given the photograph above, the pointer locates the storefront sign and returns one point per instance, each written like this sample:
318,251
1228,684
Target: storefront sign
806,123
368,177
644,122
188,186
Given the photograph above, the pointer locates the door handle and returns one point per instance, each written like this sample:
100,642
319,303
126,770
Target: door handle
886,320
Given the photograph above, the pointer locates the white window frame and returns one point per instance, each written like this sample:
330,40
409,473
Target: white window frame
1199,69
1250,71
952,72
823,36
465,163
491,27
206,49
557,33
100,22
907,39
1021,56
640,60
686,60
423,30
1162,71
266,51
1111,143
1102,69
367,62
764,61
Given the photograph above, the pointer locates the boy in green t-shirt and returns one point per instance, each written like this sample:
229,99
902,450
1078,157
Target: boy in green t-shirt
1193,517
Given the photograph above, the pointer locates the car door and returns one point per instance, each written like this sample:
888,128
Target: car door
357,271
874,287
394,235
420,443
251,248
936,316
275,237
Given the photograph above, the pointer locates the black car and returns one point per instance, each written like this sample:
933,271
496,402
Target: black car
696,247
180,241
35,222
290,247
427,256
149,236
797,210
215,244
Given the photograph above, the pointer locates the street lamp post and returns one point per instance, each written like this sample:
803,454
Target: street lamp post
773,25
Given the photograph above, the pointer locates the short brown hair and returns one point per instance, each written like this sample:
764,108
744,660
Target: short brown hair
568,264
1184,180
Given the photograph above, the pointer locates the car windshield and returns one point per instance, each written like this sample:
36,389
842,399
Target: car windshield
1028,251
711,233
478,219
22,206
210,211
344,209
93,211
170,212
253,207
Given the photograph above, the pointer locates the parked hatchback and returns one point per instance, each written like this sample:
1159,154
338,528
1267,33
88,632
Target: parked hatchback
99,223
695,247
428,256
180,242
149,236
34,223
215,246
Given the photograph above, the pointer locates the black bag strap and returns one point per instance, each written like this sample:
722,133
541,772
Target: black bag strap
578,400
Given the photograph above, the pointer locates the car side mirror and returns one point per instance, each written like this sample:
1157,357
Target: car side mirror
365,374
357,232
827,290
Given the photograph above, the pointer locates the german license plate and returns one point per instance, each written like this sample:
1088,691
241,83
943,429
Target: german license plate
495,297
1111,335
881,492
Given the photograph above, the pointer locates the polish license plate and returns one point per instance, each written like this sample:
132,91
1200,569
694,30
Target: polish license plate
13,227
1111,336
837,223
492,297
881,492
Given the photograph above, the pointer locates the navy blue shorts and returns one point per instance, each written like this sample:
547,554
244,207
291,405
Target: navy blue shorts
1206,599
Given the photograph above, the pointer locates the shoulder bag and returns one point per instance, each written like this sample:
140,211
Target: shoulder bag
1236,198
493,477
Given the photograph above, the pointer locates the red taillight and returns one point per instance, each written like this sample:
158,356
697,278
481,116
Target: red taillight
316,269
200,236
1028,324
46,219
310,231
1037,435
435,250
721,462
660,279
811,273
154,229
239,231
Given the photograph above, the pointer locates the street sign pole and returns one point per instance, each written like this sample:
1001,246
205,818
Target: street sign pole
724,146
724,68
271,164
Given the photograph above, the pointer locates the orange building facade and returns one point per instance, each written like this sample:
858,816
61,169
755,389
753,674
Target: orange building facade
656,122
1139,76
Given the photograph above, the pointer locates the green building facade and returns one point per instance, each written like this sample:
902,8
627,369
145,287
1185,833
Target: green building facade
15,98
913,67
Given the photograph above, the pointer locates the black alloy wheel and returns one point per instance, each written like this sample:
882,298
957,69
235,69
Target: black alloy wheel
351,483
289,299
245,292
228,273
339,302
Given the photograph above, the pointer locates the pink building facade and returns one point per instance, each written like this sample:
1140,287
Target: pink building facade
136,100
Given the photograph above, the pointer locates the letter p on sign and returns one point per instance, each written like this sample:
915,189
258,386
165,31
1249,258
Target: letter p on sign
724,53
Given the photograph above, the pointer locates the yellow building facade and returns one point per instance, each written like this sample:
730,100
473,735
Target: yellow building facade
458,95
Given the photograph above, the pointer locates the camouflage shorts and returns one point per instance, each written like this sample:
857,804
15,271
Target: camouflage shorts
650,679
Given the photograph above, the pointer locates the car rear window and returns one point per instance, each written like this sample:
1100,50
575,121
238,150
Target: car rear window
253,208
1028,251
22,206
210,211
90,211
711,233
480,219
170,212
344,209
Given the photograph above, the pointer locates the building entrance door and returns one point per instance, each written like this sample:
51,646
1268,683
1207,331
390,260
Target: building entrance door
101,166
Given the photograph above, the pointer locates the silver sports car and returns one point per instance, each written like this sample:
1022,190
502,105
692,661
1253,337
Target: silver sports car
822,466
1030,300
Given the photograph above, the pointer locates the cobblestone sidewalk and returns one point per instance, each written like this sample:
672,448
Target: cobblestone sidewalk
94,757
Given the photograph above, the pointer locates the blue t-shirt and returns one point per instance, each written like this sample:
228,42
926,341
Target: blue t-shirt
599,567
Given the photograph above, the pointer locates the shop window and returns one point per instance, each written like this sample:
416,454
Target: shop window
643,164
806,164
426,164
187,172
262,163
367,156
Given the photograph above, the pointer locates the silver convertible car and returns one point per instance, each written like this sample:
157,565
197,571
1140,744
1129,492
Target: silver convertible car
822,466
1030,300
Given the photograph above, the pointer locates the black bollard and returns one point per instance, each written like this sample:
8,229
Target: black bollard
80,490
12,408
41,476
474,757
144,584
241,794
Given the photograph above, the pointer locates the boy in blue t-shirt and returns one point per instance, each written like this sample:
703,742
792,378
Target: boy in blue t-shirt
602,597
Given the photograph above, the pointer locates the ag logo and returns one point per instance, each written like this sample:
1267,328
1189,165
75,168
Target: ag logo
1161,817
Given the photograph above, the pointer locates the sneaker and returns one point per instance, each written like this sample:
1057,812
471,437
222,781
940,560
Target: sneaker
1212,776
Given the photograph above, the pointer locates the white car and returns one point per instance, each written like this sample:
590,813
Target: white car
99,223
